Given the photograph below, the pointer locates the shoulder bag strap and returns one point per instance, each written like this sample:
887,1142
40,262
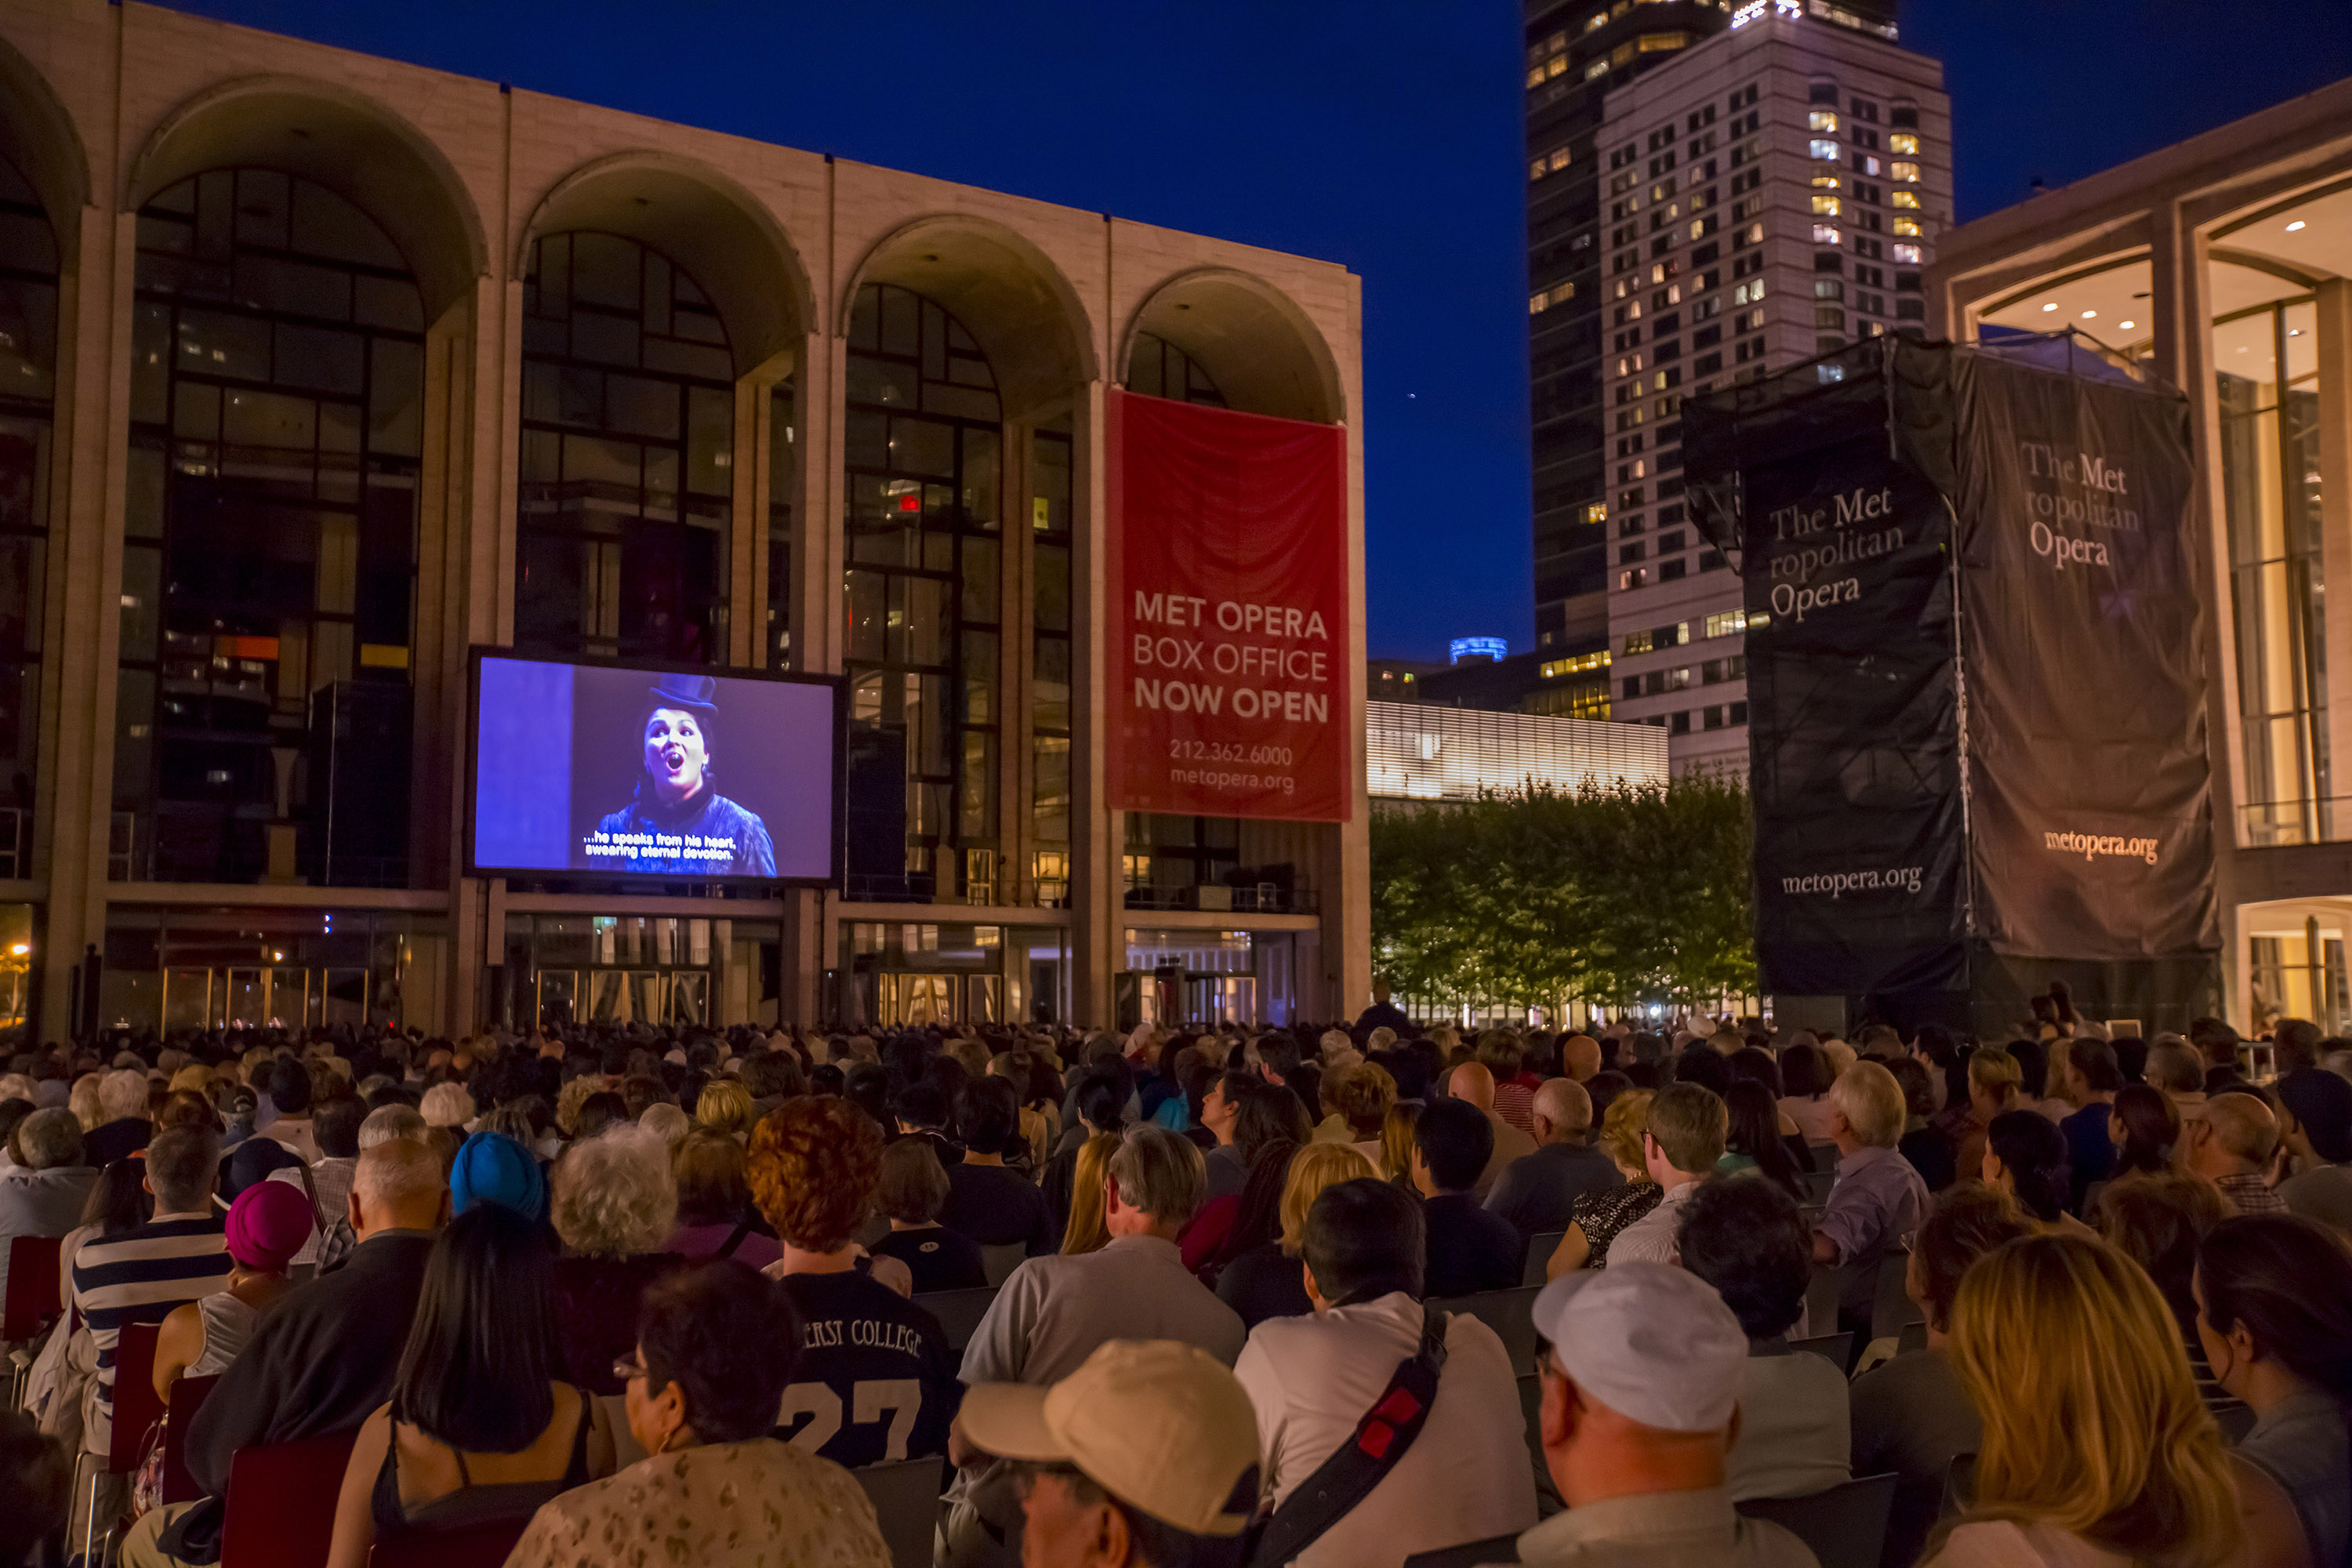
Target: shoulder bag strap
735,1239
1381,1439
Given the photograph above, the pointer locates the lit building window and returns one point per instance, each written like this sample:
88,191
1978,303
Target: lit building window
1903,141
1907,255
1906,173
1826,234
1829,289
1747,293
1552,670
1823,120
1825,182
1659,43
1594,21
1870,165
1907,198
1596,512
1825,206
1907,227
1824,150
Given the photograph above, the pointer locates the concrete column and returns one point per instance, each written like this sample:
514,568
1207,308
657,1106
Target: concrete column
1097,833
2334,350
821,386
82,612
2182,313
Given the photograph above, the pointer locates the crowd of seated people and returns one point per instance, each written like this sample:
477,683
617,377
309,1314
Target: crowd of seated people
631,1293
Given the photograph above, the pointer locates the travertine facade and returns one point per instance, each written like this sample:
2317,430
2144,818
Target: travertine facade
104,108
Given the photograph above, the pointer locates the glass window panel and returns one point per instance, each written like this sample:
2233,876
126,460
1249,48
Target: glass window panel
980,476
924,446
711,439
980,582
642,406
979,678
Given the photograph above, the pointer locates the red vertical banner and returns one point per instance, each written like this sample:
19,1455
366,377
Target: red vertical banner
1228,627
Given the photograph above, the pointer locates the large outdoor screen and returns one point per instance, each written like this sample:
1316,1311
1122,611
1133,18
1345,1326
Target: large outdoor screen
608,770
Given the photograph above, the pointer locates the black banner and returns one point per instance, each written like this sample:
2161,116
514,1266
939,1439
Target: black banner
1854,762
1976,721
2091,833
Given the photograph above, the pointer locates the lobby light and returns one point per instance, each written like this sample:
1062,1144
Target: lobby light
2295,226
2050,306
2126,326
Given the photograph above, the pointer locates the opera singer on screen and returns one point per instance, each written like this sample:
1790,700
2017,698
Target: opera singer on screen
677,823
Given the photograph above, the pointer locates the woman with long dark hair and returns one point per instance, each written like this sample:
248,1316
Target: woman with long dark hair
2025,1156
1754,1142
2275,1313
2144,1127
477,1431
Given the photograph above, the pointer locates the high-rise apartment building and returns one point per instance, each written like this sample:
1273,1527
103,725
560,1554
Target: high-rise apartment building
1677,239
1578,51
1772,196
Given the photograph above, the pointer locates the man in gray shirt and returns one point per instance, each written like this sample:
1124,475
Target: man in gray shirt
1053,1312
44,1193
1536,1192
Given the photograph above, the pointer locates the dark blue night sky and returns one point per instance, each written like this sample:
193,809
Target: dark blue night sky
1380,134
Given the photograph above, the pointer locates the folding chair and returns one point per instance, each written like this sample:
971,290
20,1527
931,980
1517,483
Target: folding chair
482,1546
1892,1310
188,1397
1845,1526
1540,1247
1510,1313
136,1411
999,1260
1493,1549
280,1508
1838,1348
905,1498
31,1303
959,1311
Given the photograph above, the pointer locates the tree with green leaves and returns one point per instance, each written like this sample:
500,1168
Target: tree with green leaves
1616,894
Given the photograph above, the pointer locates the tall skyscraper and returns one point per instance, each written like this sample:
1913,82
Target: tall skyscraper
1677,240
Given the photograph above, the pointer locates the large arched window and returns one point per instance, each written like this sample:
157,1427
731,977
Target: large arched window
628,430
29,340
268,563
922,436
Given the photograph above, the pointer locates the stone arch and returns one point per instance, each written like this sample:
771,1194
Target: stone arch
1255,344
1009,295
37,135
708,225
342,140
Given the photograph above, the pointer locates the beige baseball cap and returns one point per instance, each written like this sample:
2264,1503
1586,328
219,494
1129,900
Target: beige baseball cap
1162,1427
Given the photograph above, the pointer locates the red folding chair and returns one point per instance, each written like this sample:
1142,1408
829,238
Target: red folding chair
136,1411
280,1509
187,1397
482,1546
31,1301
32,1286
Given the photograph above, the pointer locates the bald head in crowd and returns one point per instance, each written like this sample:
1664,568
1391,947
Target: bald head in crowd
2236,1135
399,1185
1473,1083
1563,1111
1581,1055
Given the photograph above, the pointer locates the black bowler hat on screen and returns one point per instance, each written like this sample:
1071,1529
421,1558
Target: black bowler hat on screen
676,821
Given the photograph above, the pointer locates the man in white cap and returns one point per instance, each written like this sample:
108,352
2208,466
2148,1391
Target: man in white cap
1641,1365
1145,1456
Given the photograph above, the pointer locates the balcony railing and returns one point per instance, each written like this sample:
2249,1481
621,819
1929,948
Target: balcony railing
2280,823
